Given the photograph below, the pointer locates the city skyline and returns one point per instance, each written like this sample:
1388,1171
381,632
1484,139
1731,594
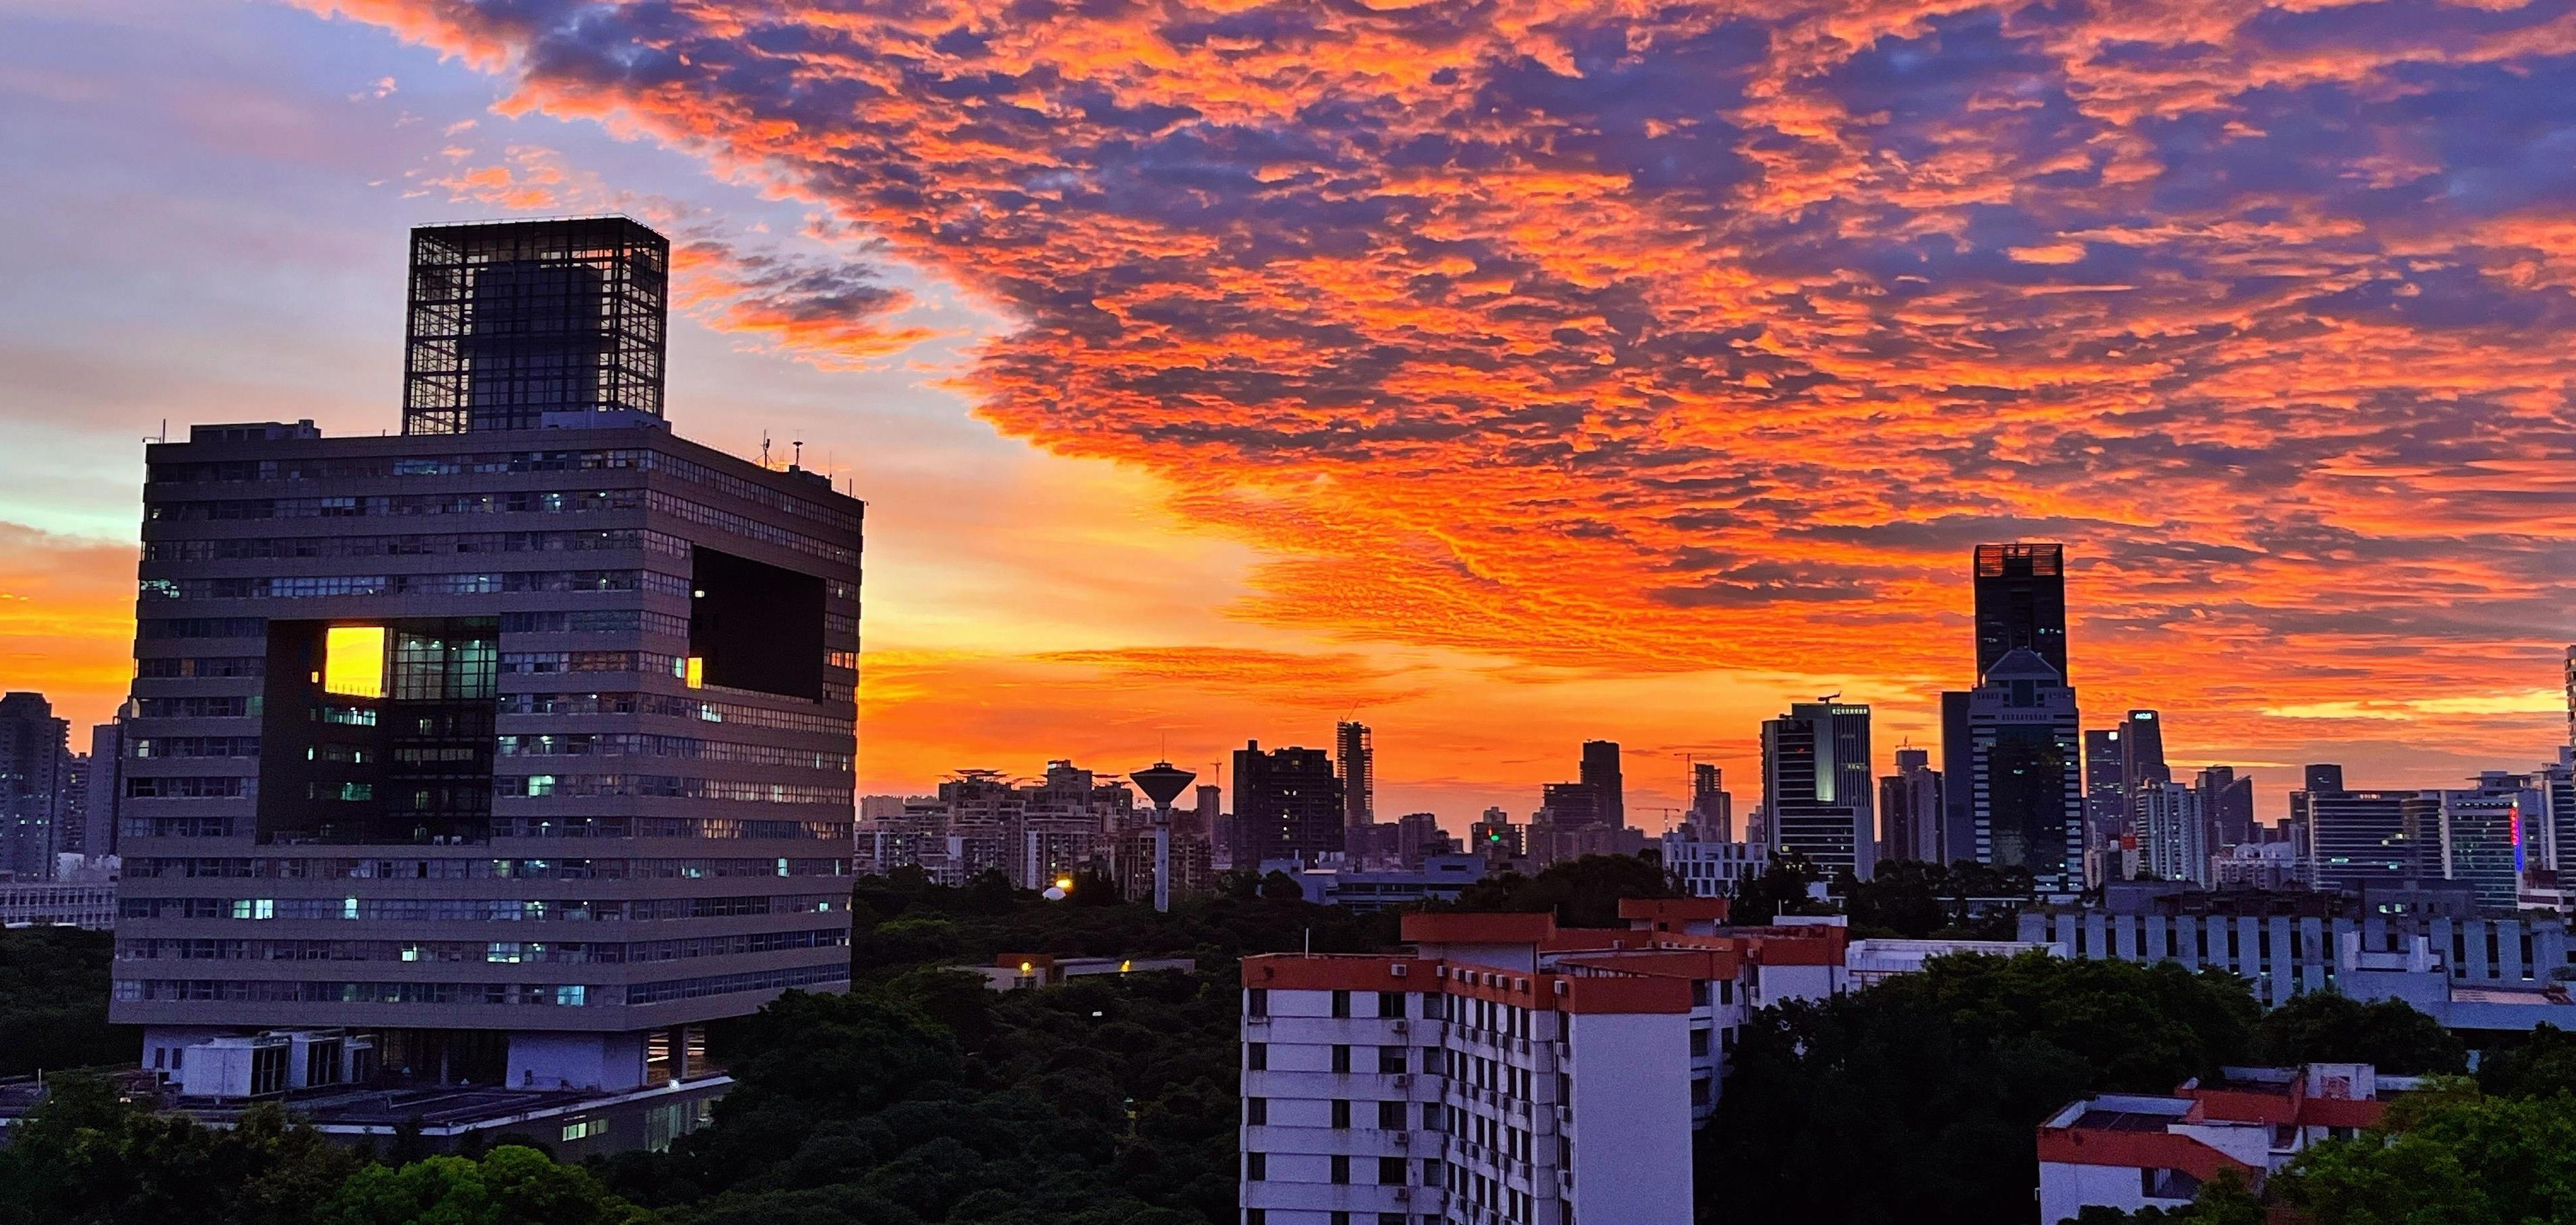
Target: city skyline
2327,534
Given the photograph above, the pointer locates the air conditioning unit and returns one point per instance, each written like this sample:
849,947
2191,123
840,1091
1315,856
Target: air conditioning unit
1398,969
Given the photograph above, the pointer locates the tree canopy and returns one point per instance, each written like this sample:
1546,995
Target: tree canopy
53,1002
1935,1082
2322,1026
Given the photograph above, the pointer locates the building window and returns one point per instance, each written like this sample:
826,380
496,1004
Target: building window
1341,1168
1256,1111
584,1129
1256,1167
1341,1115
1256,1002
1341,1003
1699,1042
1256,1056
1391,1003
1390,1060
1341,1058
1390,1171
1255,1216
1390,1116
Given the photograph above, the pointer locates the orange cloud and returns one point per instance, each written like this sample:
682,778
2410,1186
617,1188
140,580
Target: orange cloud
1612,342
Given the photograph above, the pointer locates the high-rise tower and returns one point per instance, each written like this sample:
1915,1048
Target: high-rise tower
1601,773
1817,786
513,747
2021,602
1355,761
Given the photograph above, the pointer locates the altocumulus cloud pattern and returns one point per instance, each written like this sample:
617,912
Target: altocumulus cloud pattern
1630,336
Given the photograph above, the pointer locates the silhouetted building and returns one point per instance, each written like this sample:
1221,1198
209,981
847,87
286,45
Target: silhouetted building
2142,755
1601,773
1496,837
1818,787
35,768
106,784
1355,758
1418,836
518,744
2025,790
1211,811
2227,803
2106,794
1909,809
2021,602
1712,811
1287,805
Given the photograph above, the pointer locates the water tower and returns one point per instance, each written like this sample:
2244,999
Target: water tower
1162,784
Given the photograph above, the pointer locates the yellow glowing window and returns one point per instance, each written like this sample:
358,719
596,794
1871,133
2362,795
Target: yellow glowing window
353,660
696,672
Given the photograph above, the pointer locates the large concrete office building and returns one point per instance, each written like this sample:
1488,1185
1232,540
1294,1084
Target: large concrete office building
505,750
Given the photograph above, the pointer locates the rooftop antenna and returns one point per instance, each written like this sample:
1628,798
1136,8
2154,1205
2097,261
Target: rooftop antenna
764,448
799,461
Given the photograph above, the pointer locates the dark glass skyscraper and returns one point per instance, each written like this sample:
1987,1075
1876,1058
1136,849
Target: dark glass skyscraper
513,746
2021,602
1601,773
2025,789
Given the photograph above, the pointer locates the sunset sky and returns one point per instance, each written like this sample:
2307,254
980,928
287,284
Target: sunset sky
1503,375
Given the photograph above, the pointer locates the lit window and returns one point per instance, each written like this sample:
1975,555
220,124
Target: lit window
353,660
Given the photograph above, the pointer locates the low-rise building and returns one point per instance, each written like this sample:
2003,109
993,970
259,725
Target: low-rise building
1028,971
1441,878
58,904
2284,942
1504,1071
1714,869
2131,1151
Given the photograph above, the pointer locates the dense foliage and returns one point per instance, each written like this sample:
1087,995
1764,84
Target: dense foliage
1914,899
1583,892
53,1002
1933,1084
922,1097
2388,1034
2442,1158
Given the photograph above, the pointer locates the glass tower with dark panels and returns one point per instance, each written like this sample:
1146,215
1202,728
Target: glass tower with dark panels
2025,785
1818,790
2021,602
515,746
1601,772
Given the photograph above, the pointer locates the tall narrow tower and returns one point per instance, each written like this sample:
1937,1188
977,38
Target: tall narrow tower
1162,783
1355,759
